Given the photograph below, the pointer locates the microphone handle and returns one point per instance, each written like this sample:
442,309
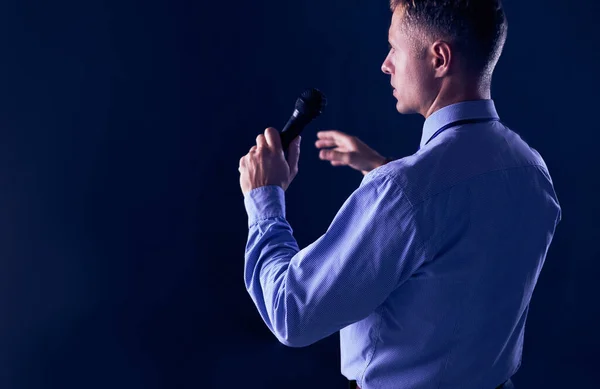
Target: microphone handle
292,129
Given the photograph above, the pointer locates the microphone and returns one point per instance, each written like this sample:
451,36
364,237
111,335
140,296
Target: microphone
309,105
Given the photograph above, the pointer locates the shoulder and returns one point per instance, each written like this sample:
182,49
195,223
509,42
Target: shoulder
397,174
457,157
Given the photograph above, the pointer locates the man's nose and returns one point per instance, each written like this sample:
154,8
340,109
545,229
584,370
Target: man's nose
385,67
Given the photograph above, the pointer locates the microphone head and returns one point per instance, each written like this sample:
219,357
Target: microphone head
311,103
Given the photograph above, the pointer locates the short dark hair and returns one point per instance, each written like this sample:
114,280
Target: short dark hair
477,28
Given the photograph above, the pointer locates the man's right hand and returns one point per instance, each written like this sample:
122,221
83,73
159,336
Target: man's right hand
347,150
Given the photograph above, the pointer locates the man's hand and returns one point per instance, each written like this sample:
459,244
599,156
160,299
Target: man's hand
265,164
345,150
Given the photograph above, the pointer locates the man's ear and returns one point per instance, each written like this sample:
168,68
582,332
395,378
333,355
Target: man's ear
441,58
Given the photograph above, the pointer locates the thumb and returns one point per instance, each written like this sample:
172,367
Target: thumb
294,154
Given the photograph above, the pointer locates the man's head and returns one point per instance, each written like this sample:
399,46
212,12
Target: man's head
442,50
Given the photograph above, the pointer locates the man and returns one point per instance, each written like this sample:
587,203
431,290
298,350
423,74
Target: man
428,268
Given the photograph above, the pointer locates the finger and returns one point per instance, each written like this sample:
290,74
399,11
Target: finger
273,138
340,138
294,155
253,148
325,143
261,141
337,163
326,134
332,155
330,134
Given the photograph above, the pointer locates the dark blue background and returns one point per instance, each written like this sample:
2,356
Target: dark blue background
122,221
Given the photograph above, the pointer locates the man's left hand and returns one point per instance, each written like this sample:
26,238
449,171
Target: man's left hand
265,164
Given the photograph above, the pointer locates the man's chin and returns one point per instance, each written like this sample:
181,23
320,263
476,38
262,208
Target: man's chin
404,109
401,108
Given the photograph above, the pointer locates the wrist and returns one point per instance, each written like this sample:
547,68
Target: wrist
380,162
384,160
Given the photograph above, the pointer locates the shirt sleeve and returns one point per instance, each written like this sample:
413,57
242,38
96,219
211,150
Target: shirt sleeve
369,249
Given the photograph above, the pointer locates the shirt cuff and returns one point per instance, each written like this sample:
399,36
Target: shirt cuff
264,202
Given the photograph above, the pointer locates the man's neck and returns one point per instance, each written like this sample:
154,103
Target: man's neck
444,98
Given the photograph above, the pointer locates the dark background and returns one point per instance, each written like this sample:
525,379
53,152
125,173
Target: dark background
122,221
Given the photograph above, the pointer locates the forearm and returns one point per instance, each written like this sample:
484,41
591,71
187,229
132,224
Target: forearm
270,248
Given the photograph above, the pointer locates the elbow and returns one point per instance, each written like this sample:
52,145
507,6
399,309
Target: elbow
292,325
294,342
292,336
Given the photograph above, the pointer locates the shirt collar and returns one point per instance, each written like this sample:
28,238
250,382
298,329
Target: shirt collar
473,109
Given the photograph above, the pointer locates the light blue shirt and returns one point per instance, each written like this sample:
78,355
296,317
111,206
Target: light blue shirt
428,268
